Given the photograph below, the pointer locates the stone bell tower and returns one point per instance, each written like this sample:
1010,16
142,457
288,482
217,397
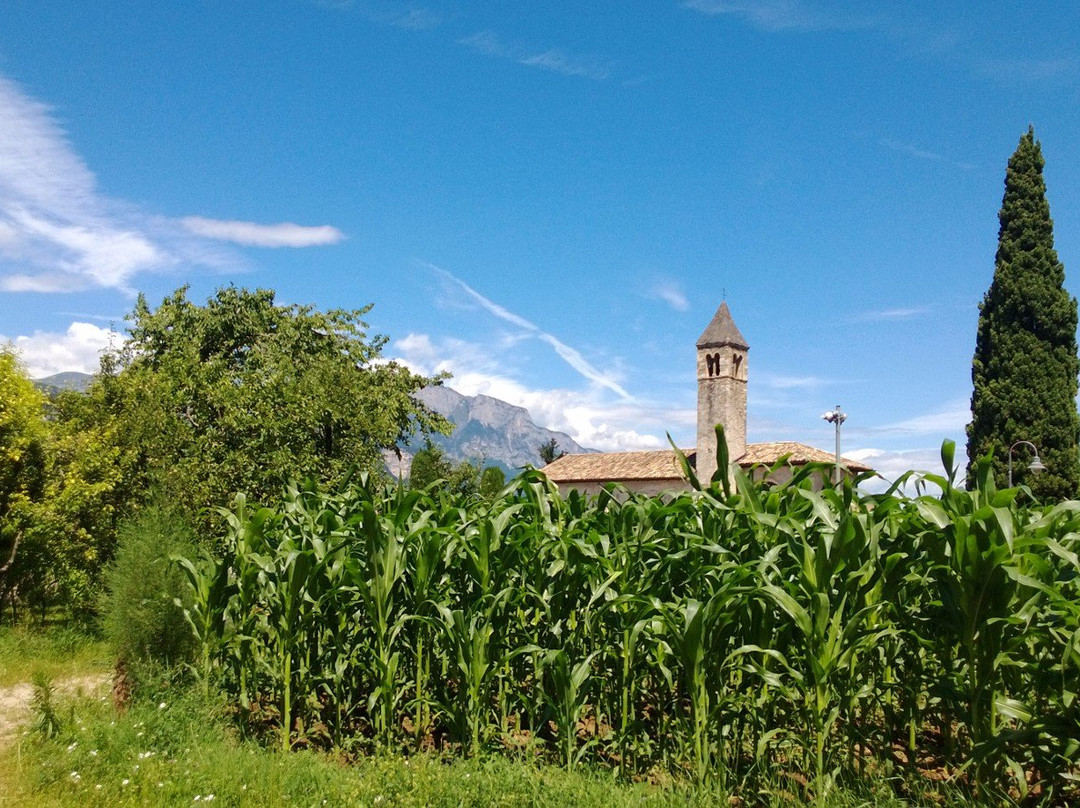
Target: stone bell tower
721,374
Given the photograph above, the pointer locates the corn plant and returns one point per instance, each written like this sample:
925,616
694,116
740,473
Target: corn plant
732,633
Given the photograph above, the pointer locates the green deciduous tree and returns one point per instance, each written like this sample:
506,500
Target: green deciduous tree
241,394
492,481
22,460
1025,366
431,465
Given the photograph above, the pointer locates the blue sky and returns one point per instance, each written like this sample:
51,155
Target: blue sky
549,200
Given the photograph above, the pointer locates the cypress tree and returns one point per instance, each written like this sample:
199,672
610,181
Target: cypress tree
1025,367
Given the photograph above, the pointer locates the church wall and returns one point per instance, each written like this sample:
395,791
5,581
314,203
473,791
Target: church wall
647,487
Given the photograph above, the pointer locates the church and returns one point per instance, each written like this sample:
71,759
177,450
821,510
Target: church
722,368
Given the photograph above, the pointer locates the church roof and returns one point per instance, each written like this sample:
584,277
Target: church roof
664,465
603,466
798,454
722,331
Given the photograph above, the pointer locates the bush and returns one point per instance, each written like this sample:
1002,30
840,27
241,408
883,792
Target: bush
140,618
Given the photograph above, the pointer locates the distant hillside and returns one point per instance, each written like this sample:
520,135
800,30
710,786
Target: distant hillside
68,380
487,429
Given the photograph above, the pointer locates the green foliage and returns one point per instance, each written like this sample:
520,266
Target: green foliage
61,492
174,746
241,393
140,616
431,466
45,721
88,490
22,463
492,481
1025,366
56,651
549,452
723,636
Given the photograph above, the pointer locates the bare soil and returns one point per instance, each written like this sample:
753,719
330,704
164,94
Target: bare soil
15,700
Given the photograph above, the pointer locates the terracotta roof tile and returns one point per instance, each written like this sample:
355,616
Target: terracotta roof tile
579,468
798,454
663,465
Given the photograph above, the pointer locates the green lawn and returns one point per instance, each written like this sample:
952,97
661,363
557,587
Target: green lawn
173,748
59,652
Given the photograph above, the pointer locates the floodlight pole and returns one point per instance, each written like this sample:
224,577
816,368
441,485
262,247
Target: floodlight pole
837,417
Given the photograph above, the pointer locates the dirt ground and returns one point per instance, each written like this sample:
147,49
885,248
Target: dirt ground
15,700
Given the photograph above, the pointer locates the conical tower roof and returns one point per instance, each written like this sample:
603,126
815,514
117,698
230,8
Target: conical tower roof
722,331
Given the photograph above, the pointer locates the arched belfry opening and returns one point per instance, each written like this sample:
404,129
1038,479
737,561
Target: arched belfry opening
721,390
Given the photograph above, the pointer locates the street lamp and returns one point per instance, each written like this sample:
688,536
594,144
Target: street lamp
836,417
1036,465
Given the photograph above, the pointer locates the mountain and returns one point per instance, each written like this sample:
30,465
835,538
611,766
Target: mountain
486,429
68,380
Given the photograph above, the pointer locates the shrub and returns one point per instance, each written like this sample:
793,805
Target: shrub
140,617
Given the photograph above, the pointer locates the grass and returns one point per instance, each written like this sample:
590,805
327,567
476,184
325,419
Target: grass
172,748
59,652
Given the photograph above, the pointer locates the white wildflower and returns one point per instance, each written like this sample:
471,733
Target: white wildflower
71,748
124,782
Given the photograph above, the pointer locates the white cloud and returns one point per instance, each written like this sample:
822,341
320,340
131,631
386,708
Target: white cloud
781,382
571,356
555,60
950,419
586,416
893,464
59,234
899,313
671,293
790,15
285,234
79,349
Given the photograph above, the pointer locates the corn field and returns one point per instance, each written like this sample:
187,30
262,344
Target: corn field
735,634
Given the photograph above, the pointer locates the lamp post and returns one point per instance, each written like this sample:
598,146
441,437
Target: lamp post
836,417
1036,464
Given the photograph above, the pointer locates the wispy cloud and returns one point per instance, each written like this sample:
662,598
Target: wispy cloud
949,420
399,15
671,293
59,234
285,234
1028,70
886,315
781,382
555,60
79,348
585,415
791,15
923,154
892,464
571,356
